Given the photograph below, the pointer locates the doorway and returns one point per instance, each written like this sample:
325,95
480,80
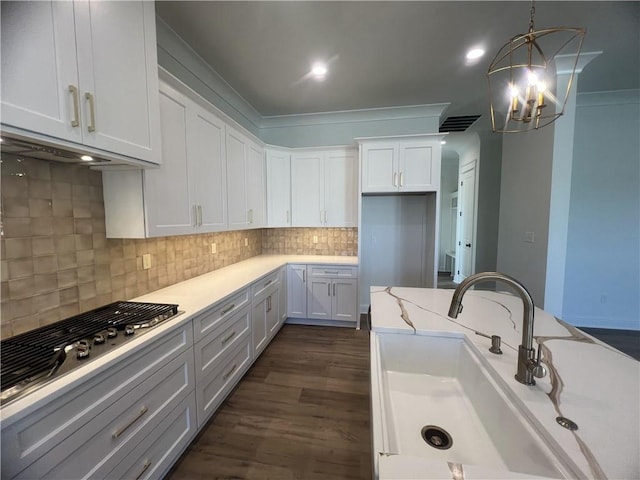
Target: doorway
466,221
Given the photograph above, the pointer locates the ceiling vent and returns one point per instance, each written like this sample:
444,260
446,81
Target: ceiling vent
458,124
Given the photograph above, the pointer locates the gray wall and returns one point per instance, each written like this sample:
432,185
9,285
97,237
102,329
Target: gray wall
602,276
525,189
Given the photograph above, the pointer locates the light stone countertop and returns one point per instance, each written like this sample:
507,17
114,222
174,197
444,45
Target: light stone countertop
593,384
193,297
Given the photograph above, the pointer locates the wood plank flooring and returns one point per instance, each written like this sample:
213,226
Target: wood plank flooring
300,412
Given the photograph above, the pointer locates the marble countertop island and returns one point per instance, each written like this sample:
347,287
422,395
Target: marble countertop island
589,382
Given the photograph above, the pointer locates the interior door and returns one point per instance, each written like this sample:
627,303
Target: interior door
465,248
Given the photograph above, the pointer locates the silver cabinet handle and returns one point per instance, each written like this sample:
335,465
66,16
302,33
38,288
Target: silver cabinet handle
395,179
402,179
325,216
304,276
233,369
331,272
92,112
76,108
145,467
268,304
268,283
233,334
328,289
288,214
195,215
200,215
250,215
121,430
334,289
228,309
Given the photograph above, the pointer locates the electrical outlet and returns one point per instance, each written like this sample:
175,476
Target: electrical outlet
246,242
214,248
146,261
315,239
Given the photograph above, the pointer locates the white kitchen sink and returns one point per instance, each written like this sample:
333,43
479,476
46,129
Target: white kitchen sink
441,381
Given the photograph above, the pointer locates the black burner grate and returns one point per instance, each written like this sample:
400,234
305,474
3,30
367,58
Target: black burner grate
29,354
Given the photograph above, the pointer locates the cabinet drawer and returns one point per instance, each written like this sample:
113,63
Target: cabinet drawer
223,310
218,342
264,284
92,450
33,436
214,387
157,453
329,271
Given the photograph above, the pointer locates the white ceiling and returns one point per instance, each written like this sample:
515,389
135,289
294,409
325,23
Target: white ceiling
389,53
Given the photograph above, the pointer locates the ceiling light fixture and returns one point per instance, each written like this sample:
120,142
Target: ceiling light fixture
86,158
319,71
475,53
528,76
443,142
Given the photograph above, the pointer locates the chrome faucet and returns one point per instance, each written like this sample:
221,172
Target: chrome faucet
529,364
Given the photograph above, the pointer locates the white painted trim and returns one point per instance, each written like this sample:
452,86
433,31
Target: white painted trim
620,323
353,116
618,97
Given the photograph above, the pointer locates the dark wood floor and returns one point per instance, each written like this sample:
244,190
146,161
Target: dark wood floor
300,412
627,341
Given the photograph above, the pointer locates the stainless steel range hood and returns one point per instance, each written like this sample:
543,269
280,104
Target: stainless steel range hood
42,147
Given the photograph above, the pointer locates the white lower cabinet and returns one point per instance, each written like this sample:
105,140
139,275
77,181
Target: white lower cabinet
221,356
87,431
323,292
332,293
264,315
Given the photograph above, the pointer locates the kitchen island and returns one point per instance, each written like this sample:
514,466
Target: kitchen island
589,382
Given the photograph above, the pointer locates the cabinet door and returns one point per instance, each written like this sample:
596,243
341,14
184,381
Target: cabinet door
380,167
418,168
205,133
236,179
297,291
273,313
259,325
344,299
307,195
278,189
256,186
340,189
38,50
118,77
282,295
319,298
169,200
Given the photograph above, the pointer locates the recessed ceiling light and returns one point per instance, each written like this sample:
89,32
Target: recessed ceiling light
475,53
443,142
319,71
86,158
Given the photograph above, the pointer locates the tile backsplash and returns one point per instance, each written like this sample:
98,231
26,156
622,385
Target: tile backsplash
310,241
56,260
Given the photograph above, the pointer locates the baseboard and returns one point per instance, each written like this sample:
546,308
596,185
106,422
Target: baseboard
603,322
321,323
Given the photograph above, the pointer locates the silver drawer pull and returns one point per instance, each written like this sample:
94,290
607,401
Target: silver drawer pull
76,115
92,113
268,283
120,431
228,374
228,309
233,334
329,272
145,467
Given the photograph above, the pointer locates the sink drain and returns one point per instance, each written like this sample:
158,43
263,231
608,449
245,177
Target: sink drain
436,437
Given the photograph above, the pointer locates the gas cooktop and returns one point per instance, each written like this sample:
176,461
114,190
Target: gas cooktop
31,359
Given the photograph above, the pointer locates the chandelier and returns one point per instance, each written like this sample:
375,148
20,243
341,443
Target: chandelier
524,91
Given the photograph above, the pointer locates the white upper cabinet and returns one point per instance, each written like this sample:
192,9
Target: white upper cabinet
324,189
407,165
245,182
83,72
278,166
187,194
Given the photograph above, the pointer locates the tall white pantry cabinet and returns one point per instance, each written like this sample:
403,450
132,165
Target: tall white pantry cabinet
82,74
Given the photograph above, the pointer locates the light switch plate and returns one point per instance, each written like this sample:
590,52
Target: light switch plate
315,239
529,237
214,248
246,242
146,261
